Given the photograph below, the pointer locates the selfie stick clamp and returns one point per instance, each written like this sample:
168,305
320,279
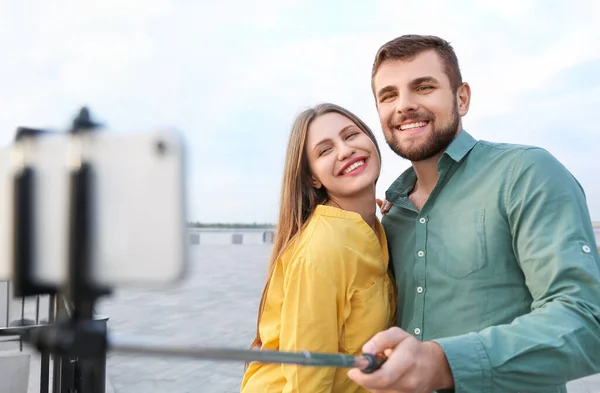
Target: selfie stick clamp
77,335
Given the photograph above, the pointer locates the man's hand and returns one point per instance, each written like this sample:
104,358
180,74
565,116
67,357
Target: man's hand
412,365
384,206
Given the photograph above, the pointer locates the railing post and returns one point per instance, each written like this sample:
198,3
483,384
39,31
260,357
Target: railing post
237,238
268,236
45,357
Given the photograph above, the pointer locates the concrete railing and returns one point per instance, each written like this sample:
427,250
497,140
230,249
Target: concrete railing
230,236
15,363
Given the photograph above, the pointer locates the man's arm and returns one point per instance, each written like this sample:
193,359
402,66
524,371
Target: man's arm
309,323
554,243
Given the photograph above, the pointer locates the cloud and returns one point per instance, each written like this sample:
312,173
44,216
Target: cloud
232,75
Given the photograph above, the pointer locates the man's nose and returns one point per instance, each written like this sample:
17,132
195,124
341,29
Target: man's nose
406,103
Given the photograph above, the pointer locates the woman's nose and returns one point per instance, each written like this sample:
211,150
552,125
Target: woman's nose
345,151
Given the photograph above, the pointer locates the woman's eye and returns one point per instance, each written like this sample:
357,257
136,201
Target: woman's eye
323,151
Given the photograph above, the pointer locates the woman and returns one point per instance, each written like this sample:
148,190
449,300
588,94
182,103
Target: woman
328,288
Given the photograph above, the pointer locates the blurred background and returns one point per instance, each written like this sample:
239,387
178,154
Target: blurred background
231,76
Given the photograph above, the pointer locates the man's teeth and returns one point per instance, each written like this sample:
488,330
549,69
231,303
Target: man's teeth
413,125
353,166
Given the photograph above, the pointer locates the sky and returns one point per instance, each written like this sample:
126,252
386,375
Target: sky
231,76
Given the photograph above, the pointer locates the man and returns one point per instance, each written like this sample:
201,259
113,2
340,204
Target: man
492,245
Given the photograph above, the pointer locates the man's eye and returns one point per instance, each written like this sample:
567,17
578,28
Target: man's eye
386,97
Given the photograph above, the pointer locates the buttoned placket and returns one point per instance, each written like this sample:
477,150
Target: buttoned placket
420,274
446,169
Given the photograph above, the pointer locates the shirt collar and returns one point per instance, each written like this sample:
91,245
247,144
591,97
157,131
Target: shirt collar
457,150
460,146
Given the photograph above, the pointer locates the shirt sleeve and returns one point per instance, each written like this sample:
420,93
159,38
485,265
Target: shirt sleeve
553,240
309,322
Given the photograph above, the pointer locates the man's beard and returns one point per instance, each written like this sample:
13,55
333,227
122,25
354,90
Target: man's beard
437,141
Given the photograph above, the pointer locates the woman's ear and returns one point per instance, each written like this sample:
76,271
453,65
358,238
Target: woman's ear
316,183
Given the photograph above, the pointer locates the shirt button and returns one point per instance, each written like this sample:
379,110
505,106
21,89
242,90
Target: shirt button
419,289
586,249
417,331
420,253
422,220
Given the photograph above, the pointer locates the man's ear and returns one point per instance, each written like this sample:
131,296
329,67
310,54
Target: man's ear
463,98
316,183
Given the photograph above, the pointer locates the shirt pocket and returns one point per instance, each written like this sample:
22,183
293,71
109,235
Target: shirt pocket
368,315
461,242
363,295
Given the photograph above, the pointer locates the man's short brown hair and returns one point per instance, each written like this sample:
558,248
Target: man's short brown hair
408,46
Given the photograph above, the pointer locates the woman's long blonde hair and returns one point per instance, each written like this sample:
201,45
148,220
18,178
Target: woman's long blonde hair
298,196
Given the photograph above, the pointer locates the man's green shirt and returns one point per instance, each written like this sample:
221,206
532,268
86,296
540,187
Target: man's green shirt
500,268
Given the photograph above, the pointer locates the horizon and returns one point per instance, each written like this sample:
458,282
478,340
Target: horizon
595,224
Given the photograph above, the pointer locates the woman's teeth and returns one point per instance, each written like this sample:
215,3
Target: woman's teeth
353,166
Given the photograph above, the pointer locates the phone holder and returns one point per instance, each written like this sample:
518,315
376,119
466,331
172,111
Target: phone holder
78,336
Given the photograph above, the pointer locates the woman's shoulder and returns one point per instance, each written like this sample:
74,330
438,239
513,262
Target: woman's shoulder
330,227
327,237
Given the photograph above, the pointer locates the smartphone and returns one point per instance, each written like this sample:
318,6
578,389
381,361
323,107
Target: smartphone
138,220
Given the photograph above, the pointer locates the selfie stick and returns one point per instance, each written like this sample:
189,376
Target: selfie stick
80,335
366,362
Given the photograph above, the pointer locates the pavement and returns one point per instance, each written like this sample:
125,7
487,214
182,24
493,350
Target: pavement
215,306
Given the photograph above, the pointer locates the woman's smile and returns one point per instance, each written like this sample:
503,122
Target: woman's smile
354,167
